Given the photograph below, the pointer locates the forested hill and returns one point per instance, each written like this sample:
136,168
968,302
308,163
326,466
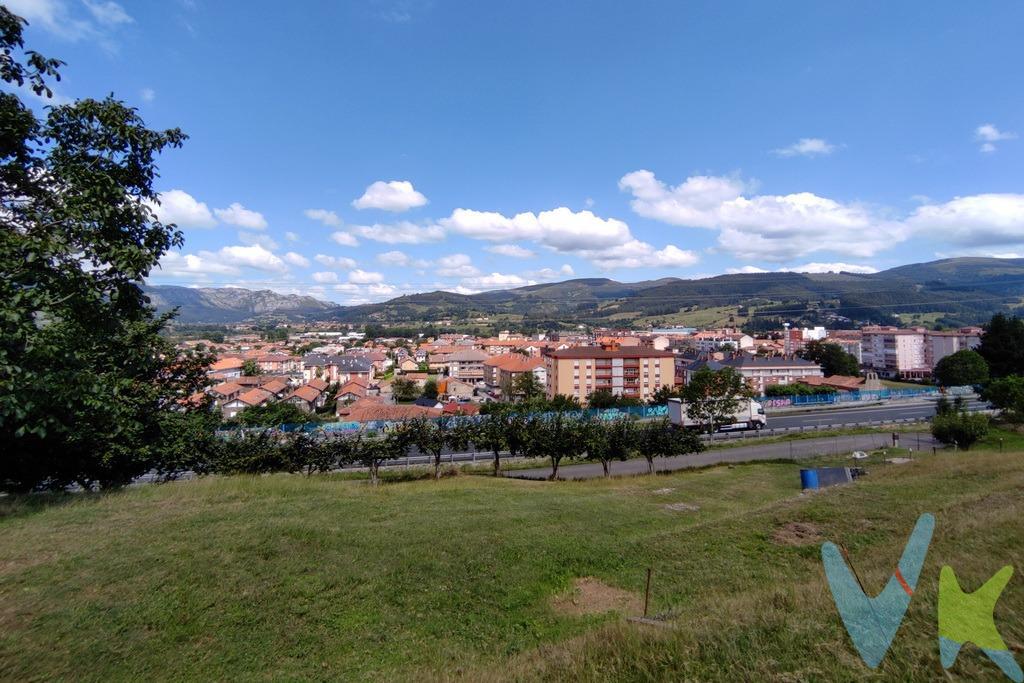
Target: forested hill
960,290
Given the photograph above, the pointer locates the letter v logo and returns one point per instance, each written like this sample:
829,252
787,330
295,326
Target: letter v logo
872,622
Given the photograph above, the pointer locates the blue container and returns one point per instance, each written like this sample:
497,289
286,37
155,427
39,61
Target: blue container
808,479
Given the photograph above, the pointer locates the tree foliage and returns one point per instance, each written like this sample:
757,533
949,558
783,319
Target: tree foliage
609,440
404,390
86,379
527,387
1002,346
960,428
1007,394
273,414
831,357
659,439
962,368
713,396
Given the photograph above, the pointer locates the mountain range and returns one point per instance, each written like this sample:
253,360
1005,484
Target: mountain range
962,290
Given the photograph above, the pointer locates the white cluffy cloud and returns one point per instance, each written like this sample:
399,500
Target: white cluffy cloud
296,259
236,214
976,220
393,195
364,277
225,261
456,265
400,258
328,218
806,147
403,232
607,242
147,94
764,227
987,134
345,239
335,262
510,250
184,210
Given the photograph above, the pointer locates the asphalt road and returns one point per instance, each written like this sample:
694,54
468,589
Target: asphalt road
797,449
894,410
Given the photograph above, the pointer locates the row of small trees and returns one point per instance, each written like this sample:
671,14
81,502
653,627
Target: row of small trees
557,436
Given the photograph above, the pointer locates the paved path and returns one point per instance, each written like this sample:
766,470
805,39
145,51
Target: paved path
795,449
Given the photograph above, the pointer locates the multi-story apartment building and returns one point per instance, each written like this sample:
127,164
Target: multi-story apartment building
913,353
895,352
938,345
635,372
467,365
760,372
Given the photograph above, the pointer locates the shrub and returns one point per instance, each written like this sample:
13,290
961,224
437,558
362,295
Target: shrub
960,428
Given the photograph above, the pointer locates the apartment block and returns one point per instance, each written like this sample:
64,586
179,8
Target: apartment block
895,352
634,372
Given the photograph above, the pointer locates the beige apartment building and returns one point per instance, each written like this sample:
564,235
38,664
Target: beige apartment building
634,372
912,353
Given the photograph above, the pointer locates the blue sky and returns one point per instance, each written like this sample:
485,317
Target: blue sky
360,150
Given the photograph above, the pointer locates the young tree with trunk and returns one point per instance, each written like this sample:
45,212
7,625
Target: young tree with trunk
430,437
712,397
609,440
557,436
371,450
658,438
490,433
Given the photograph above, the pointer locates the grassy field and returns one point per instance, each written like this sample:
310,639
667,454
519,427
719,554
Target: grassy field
284,577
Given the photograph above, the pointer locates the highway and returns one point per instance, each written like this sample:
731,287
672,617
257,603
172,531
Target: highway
893,410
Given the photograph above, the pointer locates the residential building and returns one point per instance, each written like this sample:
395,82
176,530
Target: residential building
517,365
279,363
307,398
249,399
896,352
467,365
635,372
938,345
761,372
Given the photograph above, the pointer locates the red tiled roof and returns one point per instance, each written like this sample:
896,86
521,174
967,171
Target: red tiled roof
367,411
318,384
226,388
227,364
306,393
255,397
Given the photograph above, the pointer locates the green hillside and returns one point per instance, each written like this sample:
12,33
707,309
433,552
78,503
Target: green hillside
470,578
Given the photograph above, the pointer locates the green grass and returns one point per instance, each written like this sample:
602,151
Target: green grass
288,577
923,319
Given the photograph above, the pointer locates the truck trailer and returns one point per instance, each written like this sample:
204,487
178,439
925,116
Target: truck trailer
749,415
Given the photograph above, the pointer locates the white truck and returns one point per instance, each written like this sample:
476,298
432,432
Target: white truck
749,415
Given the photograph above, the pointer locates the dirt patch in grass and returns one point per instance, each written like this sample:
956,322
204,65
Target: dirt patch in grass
592,596
662,492
797,533
682,507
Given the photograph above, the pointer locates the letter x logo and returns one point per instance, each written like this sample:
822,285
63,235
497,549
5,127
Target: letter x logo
963,617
